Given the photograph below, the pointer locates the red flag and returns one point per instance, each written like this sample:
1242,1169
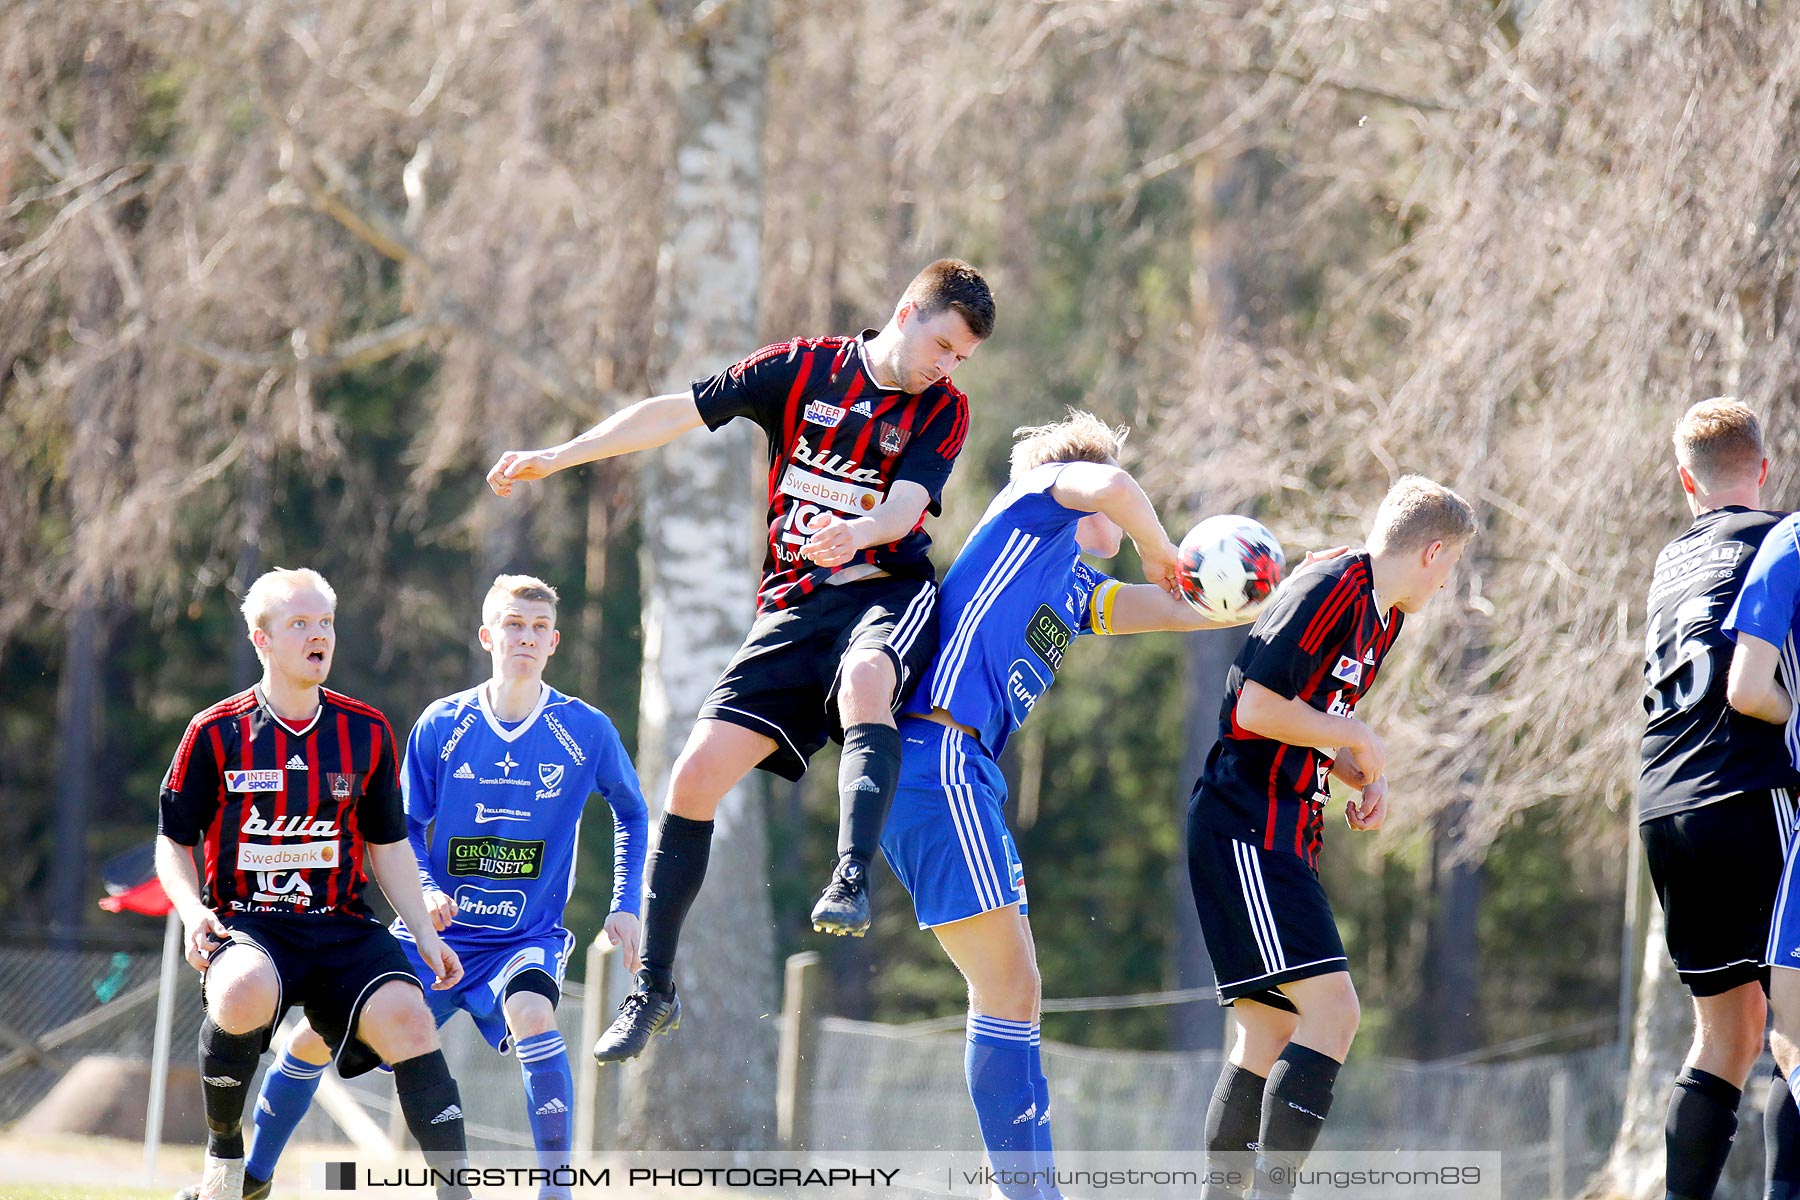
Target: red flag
147,898
131,883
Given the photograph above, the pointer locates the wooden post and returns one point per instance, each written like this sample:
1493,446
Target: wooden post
794,1068
593,1111
1559,1134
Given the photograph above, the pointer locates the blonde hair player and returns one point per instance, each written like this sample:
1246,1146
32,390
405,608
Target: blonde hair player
1012,604
500,775
292,788
1255,826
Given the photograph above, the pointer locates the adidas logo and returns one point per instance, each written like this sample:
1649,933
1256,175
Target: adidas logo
262,1105
863,407
1028,1117
463,772
1369,656
296,763
222,1081
453,1113
552,1106
864,784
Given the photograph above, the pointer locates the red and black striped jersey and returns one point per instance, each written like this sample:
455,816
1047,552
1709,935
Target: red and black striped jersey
283,813
837,442
1322,639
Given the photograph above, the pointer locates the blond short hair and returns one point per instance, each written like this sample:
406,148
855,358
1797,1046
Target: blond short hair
515,587
1078,437
272,587
1417,512
1720,442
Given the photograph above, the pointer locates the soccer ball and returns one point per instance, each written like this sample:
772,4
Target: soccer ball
1228,567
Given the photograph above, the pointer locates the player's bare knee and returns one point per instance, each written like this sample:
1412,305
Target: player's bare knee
694,785
529,1014
307,1046
1012,996
242,998
867,679
397,1024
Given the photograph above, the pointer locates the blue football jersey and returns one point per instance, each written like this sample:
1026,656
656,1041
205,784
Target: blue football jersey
1016,597
1768,607
494,813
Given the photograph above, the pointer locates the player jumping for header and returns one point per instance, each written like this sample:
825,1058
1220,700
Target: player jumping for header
862,433
1016,597
1256,822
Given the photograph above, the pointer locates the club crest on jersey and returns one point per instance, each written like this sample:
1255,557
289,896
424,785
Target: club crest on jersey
820,413
893,438
342,786
1348,669
253,781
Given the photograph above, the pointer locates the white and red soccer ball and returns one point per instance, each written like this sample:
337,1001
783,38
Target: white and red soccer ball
1229,567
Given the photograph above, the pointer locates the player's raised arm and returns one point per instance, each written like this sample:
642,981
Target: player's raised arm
1112,492
641,426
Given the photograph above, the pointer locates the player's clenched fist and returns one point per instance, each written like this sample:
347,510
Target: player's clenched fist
520,466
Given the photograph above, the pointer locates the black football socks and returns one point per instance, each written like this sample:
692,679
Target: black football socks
1296,1101
227,1064
1233,1120
677,869
1702,1121
868,773
433,1110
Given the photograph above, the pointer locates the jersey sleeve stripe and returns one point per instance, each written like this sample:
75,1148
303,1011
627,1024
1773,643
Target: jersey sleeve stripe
1335,602
952,445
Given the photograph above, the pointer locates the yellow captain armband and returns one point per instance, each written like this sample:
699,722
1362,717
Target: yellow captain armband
1100,606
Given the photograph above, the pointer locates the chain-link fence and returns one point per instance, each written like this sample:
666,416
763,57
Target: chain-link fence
876,1087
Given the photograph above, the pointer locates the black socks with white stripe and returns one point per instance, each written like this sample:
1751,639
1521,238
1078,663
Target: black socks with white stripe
677,869
433,1110
1296,1101
868,773
227,1064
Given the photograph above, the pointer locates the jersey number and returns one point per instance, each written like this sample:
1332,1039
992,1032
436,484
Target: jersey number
1679,658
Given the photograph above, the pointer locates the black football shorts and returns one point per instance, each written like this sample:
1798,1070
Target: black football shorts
329,964
1264,915
1716,870
783,681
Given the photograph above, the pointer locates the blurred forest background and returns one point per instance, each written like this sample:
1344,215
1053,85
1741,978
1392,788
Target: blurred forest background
279,281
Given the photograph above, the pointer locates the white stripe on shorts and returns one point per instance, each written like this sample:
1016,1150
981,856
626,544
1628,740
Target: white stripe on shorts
1256,901
964,814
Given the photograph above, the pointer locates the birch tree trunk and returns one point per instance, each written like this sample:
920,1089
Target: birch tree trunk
711,1085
